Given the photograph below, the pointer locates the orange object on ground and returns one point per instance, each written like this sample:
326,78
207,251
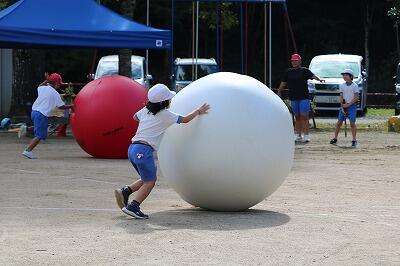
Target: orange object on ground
61,130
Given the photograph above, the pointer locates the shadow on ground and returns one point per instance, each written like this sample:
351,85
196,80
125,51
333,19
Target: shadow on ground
199,219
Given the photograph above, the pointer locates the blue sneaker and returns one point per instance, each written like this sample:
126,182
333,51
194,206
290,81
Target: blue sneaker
354,144
121,196
133,210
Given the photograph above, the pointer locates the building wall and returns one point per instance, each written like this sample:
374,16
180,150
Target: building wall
6,70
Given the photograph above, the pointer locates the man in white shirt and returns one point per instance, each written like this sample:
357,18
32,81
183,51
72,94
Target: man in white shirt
48,99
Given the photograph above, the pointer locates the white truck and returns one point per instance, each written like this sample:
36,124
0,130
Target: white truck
328,67
108,66
184,71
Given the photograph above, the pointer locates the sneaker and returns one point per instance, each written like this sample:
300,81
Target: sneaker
28,154
121,196
133,210
298,139
333,141
307,139
354,143
22,131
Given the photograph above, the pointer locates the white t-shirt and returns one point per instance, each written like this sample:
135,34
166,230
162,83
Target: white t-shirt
48,99
152,127
348,91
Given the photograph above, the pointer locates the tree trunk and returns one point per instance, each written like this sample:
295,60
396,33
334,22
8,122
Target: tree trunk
366,35
124,55
369,12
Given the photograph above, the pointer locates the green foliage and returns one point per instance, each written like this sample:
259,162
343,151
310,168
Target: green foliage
6,3
208,15
394,12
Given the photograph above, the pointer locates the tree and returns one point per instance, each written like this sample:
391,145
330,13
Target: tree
124,55
394,13
368,7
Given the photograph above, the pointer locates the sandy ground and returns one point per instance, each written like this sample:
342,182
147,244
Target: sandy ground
337,207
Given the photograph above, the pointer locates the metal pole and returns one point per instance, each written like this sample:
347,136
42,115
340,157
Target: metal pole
241,38
147,23
265,43
197,36
217,22
171,66
270,45
193,39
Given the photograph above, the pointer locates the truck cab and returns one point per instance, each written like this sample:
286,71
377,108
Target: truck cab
185,68
329,67
108,66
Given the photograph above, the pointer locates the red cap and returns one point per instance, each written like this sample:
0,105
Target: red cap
55,78
295,57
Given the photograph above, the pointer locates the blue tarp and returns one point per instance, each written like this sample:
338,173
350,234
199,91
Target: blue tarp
79,23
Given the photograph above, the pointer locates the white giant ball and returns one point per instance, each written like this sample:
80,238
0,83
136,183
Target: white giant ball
235,156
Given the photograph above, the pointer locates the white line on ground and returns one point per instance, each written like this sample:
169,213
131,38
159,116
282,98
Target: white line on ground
60,209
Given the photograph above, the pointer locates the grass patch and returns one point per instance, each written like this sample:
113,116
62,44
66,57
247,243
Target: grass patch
380,112
376,127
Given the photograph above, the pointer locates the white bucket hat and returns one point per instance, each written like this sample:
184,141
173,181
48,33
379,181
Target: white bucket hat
348,71
159,93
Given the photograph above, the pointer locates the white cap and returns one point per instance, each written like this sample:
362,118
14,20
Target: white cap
159,93
348,71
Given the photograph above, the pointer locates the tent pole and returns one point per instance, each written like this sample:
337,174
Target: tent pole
270,45
147,23
197,35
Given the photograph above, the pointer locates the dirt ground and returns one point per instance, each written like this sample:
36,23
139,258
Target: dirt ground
337,207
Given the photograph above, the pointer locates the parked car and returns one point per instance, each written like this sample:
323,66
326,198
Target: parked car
328,67
397,90
108,66
184,71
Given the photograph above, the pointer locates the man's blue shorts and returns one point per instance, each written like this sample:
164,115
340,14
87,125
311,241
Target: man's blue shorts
351,114
40,124
142,159
301,106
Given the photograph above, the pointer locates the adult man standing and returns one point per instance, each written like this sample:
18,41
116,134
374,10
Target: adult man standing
295,79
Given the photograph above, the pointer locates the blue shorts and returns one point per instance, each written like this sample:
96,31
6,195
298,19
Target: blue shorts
301,106
142,159
351,114
40,124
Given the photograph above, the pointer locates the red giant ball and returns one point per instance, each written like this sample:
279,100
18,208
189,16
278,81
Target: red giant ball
102,120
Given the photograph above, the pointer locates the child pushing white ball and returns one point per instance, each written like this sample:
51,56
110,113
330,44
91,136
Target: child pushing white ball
235,156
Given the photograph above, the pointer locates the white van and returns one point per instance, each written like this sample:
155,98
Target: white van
184,70
328,67
108,66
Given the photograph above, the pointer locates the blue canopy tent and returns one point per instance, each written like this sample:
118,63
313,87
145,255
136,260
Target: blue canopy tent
72,23
78,23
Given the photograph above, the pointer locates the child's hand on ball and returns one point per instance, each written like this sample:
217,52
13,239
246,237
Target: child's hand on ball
204,109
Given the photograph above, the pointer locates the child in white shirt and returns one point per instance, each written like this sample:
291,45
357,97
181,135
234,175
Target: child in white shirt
348,98
153,119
